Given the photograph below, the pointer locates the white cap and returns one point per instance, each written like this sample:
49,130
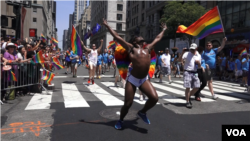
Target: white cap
10,44
193,46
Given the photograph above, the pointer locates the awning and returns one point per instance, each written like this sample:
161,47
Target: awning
240,47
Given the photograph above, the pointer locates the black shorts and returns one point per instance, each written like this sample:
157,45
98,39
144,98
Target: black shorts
230,71
210,73
244,73
68,64
109,63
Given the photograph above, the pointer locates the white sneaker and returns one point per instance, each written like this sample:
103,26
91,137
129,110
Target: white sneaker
141,98
214,97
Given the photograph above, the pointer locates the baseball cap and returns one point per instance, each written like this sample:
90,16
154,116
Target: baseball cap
10,45
166,49
193,46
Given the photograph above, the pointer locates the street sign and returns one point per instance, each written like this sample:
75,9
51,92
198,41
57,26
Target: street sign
25,3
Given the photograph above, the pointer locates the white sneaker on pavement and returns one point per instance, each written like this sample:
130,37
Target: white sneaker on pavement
214,97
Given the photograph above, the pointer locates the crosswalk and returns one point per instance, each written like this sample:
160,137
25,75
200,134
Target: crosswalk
109,95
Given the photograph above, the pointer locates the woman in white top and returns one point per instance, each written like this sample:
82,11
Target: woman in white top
92,59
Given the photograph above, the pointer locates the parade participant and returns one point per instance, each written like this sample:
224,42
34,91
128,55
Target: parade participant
190,76
245,69
138,77
105,61
92,59
209,55
74,64
166,65
110,59
83,58
63,58
177,64
230,69
158,65
201,75
99,66
238,69
68,61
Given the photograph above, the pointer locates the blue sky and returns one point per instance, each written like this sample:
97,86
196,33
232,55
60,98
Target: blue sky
63,9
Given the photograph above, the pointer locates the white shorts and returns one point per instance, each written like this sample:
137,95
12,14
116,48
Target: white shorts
93,64
135,81
238,73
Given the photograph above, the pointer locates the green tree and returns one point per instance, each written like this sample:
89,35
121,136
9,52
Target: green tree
176,13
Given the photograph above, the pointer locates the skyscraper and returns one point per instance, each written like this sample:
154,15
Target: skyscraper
80,5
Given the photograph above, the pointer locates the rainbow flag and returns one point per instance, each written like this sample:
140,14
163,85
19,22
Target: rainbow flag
45,75
55,42
56,63
112,45
43,38
209,23
76,42
38,58
243,52
51,77
12,76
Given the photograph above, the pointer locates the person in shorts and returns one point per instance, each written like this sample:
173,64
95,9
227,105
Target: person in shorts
99,66
158,64
245,69
105,61
190,75
230,69
238,69
110,59
166,65
74,63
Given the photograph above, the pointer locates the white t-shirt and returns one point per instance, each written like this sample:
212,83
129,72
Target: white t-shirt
19,56
166,58
93,56
190,60
4,45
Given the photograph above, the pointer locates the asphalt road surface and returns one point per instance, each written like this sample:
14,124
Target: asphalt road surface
75,111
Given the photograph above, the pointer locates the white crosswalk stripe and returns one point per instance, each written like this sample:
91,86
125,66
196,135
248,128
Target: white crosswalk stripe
172,93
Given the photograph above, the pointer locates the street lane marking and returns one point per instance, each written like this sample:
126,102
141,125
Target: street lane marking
40,101
232,85
229,98
72,97
104,96
177,91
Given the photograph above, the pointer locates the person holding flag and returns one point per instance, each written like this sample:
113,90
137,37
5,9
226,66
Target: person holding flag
92,59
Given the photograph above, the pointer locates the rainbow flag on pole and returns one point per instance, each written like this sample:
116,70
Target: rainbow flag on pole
55,42
45,75
43,38
76,42
209,23
51,77
38,58
243,52
56,63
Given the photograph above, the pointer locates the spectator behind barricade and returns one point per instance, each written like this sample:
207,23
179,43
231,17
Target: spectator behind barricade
238,69
4,61
9,55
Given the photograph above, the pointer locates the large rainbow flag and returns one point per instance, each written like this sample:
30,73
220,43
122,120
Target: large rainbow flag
38,58
209,23
12,76
76,42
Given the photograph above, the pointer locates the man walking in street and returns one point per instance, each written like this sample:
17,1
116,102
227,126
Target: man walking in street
166,66
209,55
190,75
105,61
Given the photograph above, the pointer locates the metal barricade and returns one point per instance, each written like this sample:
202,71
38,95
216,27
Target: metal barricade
27,75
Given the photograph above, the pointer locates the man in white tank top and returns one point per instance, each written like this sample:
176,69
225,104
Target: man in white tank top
92,59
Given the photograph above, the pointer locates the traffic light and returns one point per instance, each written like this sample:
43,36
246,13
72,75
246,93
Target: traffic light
13,23
4,21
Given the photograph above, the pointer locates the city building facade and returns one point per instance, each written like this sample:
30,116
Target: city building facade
39,19
80,5
115,14
65,40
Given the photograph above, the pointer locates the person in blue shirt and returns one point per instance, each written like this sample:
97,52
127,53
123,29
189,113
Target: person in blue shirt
201,75
238,69
177,65
209,55
74,63
230,69
158,64
245,69
105,61
222,65
110,59
99,65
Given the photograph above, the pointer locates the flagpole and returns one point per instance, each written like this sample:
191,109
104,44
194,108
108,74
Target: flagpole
221,21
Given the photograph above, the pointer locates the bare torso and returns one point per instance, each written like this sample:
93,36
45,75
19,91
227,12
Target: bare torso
140,59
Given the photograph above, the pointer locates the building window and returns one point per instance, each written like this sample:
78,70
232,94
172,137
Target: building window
153,18
34,19
137,8
143,4
137,20
34,9
142,17
128,3
118,26
119,7
127,25
149,4
34,1
248,16
235,20
119,17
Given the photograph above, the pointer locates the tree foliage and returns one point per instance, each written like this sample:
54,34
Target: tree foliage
176,13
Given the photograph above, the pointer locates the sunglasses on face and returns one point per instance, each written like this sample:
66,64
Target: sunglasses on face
192,49
209,45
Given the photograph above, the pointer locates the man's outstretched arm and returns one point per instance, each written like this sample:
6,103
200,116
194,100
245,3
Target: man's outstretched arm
87,49
100,47
125,44
158,37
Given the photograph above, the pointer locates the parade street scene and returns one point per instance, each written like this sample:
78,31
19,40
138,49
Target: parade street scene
123,70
